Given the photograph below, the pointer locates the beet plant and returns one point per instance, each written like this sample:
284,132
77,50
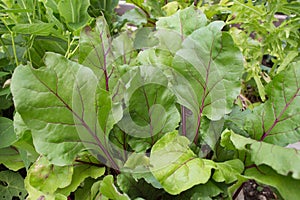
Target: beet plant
150,113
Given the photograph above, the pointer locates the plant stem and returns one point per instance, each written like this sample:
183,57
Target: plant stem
183,116
12,43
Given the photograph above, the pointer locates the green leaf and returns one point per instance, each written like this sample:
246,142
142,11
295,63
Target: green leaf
85,167
89,189
7,133
43,29
74,13
138,165
137,188
44,101
144,39
3,74
109,190
207,76
44,44
12,185
103,54
47,178
287,60
171,7
151,109
24,145
276,121
201,191
11,158
175,166
94,47
283,160
228,171
134,16
286,186
184,21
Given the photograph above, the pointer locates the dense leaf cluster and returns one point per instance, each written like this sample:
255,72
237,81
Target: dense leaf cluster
148,105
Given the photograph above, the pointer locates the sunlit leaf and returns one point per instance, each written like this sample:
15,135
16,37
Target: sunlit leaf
175,166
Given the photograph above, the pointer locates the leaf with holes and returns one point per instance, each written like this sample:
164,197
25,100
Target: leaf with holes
12,185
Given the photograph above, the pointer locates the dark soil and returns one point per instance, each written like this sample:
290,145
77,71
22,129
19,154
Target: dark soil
254,191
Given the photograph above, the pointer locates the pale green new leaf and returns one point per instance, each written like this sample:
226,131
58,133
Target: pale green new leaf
138,165
86,166
175,165
277,120
228,171
283,160
47,178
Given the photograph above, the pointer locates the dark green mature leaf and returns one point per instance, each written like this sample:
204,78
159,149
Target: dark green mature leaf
44,44
74,12
283,160
137,188
44,101
7,133
89,190
11,185
201,191
277,120
3,74
109,190
175,165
